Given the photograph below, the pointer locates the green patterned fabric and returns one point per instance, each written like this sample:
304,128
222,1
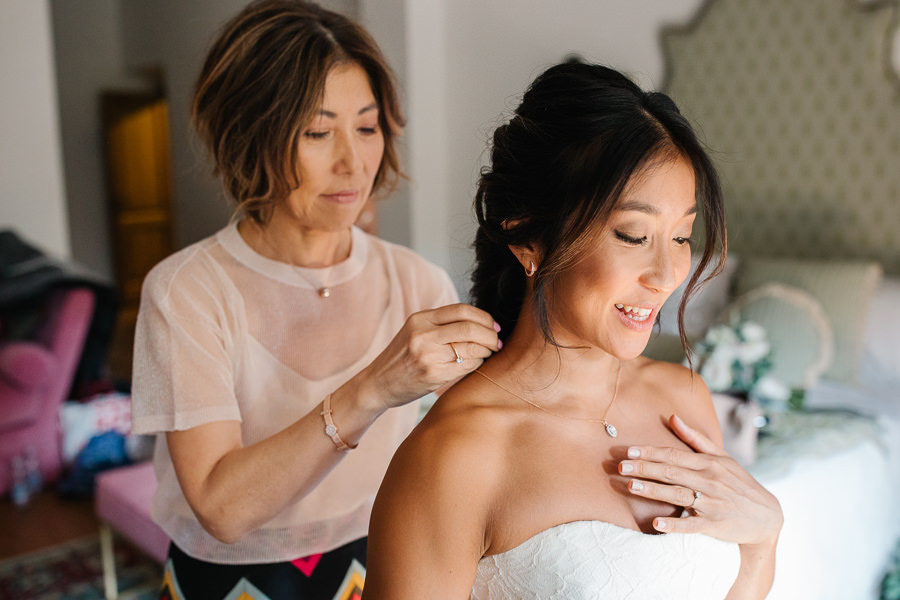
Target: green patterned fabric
802,114
844,289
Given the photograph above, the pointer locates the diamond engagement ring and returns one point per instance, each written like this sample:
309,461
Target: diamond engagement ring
458,357
697,495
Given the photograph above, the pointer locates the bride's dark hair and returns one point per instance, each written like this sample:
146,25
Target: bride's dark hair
557,169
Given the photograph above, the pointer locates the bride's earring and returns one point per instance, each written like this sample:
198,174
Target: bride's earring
530,271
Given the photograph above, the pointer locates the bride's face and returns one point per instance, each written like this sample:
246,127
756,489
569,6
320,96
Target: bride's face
610,299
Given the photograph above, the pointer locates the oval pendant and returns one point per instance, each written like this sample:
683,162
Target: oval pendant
324,292
611,430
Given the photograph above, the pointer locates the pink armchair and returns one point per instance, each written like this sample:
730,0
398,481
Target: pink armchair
35,378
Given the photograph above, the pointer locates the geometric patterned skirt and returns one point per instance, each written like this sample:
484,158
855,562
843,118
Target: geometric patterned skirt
336,575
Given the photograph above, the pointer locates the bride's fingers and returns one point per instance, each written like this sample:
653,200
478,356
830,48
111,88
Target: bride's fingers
680,525
686,459
665,472
676,495
693,438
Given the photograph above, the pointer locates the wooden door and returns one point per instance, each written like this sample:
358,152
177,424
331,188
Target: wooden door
140,204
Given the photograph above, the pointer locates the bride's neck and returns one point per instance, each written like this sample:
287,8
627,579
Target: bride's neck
568,369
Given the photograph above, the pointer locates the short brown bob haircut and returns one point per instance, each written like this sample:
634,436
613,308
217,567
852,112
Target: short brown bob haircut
262,83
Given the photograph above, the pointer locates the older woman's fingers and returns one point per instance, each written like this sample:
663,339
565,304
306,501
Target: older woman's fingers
453,313
470,350
695,439
468,332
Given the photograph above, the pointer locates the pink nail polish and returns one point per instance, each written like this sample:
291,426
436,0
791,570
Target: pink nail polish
634,453
496,326
499,344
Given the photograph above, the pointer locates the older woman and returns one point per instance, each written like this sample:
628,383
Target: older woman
548,473
280,359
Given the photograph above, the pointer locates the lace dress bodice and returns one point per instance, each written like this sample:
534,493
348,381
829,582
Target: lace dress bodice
595,560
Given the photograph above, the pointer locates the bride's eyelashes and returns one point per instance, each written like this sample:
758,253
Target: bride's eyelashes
640,241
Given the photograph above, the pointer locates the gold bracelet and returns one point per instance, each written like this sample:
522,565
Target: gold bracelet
331,429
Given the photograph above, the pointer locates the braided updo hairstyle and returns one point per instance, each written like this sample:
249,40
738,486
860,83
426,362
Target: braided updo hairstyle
557,169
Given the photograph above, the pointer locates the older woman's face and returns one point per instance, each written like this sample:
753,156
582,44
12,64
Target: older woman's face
610,299
340,151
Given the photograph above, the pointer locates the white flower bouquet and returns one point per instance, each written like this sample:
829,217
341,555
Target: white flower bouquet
736,359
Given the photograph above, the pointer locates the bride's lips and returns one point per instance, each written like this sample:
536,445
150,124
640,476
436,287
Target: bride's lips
343,197
634,324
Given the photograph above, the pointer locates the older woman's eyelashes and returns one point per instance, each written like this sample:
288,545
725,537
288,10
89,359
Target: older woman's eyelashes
316,135
634,241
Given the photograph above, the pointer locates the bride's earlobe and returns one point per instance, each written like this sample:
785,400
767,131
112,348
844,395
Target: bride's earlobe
528,257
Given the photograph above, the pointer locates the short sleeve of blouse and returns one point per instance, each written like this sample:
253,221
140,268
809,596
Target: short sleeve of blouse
183,358
425,285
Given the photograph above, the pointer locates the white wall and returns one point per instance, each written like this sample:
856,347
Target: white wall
476,59
386,21
32,195
90,59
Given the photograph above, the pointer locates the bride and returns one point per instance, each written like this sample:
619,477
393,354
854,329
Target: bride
568,466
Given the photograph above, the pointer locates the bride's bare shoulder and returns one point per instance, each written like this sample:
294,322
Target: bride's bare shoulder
456,451
675,377
676,389
471,414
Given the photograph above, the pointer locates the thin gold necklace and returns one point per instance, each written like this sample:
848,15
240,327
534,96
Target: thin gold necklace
611,431
321,287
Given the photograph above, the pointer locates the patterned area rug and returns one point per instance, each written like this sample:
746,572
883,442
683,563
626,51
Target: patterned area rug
73,571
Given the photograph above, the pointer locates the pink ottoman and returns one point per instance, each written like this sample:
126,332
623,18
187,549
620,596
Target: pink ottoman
122,498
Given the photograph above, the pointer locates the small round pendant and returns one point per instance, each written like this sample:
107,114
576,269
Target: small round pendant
324,292
611,430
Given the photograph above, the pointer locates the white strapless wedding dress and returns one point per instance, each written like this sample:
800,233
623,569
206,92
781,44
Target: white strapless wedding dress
591,560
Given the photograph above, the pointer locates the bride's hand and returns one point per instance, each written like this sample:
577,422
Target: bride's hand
723,499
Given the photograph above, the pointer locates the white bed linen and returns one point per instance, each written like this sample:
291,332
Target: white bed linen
840,493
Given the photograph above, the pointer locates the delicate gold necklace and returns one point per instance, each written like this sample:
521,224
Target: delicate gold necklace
321,287
611,431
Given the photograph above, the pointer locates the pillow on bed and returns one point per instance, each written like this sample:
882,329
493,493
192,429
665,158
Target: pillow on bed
881,345
797,328
706,304
845,290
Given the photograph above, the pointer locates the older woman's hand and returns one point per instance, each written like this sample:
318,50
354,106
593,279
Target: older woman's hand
724,500
434,348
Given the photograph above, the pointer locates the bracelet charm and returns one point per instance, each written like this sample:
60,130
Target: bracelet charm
331,429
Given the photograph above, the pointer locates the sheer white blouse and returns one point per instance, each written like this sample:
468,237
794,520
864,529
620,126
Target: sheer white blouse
224,333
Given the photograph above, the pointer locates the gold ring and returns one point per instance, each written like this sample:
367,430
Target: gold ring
458,357
697,495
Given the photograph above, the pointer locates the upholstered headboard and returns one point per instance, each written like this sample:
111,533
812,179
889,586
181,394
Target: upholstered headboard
799,103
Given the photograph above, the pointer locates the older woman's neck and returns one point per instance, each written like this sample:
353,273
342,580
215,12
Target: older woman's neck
297,246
